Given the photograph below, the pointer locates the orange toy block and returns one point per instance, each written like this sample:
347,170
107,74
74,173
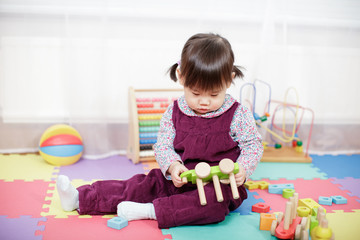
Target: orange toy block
266,220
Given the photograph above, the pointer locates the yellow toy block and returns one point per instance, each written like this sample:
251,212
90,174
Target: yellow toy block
303,211
264,184
266,220
256,185
251,185
308,202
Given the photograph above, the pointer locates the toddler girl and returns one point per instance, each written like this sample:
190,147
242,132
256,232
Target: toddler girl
204,125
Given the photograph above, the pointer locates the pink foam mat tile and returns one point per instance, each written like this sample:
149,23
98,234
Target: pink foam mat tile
308,189
19,197
350,184
96,228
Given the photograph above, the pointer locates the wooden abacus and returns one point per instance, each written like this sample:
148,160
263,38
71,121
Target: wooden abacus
146,107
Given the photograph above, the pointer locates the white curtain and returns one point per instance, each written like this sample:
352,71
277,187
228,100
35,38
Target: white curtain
73,61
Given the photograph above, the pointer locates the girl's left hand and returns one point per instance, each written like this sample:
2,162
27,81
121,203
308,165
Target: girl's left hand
240,176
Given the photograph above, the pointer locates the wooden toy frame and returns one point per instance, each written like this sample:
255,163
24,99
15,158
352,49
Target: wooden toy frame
156,97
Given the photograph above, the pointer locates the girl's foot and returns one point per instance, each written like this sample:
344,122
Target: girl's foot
136,211
69,196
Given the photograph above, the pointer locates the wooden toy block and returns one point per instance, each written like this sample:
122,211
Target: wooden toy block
278,188
288,233
325,201
263,185
204,173
322,231
313,222
251,185
301,231
266,220
315,211
287,193
303,211
291,226
117,223
260,208
318,214
339,200
308,202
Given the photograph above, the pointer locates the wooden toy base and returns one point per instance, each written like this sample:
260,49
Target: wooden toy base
284,154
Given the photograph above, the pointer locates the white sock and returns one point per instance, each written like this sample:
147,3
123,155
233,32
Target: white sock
69,196
136,211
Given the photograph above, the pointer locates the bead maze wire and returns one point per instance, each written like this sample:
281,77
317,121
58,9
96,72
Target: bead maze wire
280,136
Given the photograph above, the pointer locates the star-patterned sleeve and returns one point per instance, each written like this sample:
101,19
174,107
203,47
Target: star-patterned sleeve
164,147
243,130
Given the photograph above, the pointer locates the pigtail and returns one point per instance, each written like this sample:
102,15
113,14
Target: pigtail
237,71
172,72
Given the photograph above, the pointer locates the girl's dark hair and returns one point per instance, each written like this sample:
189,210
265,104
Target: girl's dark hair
207,62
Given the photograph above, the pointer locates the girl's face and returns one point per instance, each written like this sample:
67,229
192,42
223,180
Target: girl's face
202,102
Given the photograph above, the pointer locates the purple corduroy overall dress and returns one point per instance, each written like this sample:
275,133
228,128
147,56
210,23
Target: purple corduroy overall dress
197,139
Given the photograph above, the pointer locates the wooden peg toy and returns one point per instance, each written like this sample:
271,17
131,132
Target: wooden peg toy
216,174
287,227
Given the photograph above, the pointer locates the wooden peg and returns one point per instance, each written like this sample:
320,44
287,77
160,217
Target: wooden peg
184,180
227,167
217,187
202,170
287,218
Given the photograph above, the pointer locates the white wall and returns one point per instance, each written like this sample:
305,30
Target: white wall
74,60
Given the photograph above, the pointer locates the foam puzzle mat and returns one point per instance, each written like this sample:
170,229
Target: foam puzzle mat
30,206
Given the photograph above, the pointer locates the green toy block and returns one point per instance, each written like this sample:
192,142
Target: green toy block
214,170
313,223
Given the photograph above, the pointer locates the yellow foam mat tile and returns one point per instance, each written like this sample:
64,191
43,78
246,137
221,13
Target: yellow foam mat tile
345,225
54,206
27,167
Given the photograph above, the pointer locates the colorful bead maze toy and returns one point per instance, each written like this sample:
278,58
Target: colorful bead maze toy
226,170
146,107
285,145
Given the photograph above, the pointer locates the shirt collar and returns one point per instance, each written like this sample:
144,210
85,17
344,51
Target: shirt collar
229,101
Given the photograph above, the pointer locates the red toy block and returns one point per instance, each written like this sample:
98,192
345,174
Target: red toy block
260,208
282,233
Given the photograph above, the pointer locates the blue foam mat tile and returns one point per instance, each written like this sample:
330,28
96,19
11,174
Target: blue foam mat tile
246,206
235,226
340,166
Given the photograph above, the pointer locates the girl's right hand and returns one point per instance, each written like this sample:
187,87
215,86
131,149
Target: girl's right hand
175,169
